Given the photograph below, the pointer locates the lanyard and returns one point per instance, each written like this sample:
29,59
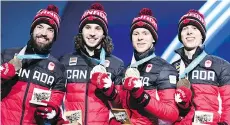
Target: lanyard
193,64
136,64
21,55
32,56
102,58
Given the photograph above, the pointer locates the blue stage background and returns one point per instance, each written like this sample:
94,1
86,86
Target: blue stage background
16,18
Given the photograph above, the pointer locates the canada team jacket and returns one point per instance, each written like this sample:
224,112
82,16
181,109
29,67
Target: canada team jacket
45,74
210,77
159,80
81,94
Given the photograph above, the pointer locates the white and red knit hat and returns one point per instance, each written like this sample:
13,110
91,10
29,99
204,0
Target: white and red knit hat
195,18
145,20
95,15
49,16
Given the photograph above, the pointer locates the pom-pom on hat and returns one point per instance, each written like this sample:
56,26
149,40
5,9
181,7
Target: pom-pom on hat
195,18
95,15
145,20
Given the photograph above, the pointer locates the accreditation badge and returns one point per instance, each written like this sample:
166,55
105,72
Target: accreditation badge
203,117
74,117
121,115
39,95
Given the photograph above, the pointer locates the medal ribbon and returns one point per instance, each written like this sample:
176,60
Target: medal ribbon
102,58
136,64
193,64
21,55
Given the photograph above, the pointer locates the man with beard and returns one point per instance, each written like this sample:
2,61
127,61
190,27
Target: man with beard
92,71
149,81
208,76
32,67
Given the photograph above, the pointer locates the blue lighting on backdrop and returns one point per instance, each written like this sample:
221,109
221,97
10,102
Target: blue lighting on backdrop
15,24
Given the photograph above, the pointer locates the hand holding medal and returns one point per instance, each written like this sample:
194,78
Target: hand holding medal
100,78
16,62
132,72
183,94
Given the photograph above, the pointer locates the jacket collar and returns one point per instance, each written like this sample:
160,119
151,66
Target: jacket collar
139,56
185,59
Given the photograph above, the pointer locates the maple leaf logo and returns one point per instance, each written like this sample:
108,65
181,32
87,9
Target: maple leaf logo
137,83
2,68
177,98
140,23
108,82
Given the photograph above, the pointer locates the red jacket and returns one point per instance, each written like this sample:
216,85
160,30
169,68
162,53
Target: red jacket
81,94
210,77
156,110
17,91
157,76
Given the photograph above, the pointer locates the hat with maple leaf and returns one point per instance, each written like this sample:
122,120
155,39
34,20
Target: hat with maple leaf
95,15
48,16
145,20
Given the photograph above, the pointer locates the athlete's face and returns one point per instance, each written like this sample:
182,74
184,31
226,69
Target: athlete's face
92,34
43,35
142,39
191,37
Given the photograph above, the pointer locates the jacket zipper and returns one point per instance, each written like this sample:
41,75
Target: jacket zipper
24,101
127,104
86,102
86,98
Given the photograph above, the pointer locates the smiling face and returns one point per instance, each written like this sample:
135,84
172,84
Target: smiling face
142,39
191,37
43,35
92,34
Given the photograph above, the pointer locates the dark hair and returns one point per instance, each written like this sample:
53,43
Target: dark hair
106,43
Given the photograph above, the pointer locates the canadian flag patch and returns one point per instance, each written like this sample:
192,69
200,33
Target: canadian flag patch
149,67
51,66
208,63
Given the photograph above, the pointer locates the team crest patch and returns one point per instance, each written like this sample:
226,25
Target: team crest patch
107,63
149,67
172,79
51,66
208,63
72,61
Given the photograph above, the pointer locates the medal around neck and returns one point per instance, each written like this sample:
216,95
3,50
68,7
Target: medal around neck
98,68
184,82
132,72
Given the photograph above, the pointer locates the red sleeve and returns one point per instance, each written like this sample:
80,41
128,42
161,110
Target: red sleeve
165,108
224,89
187,120
117,102
57,97
225,97
113,121
7,71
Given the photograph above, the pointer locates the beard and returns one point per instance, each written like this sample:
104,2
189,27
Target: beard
40,48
